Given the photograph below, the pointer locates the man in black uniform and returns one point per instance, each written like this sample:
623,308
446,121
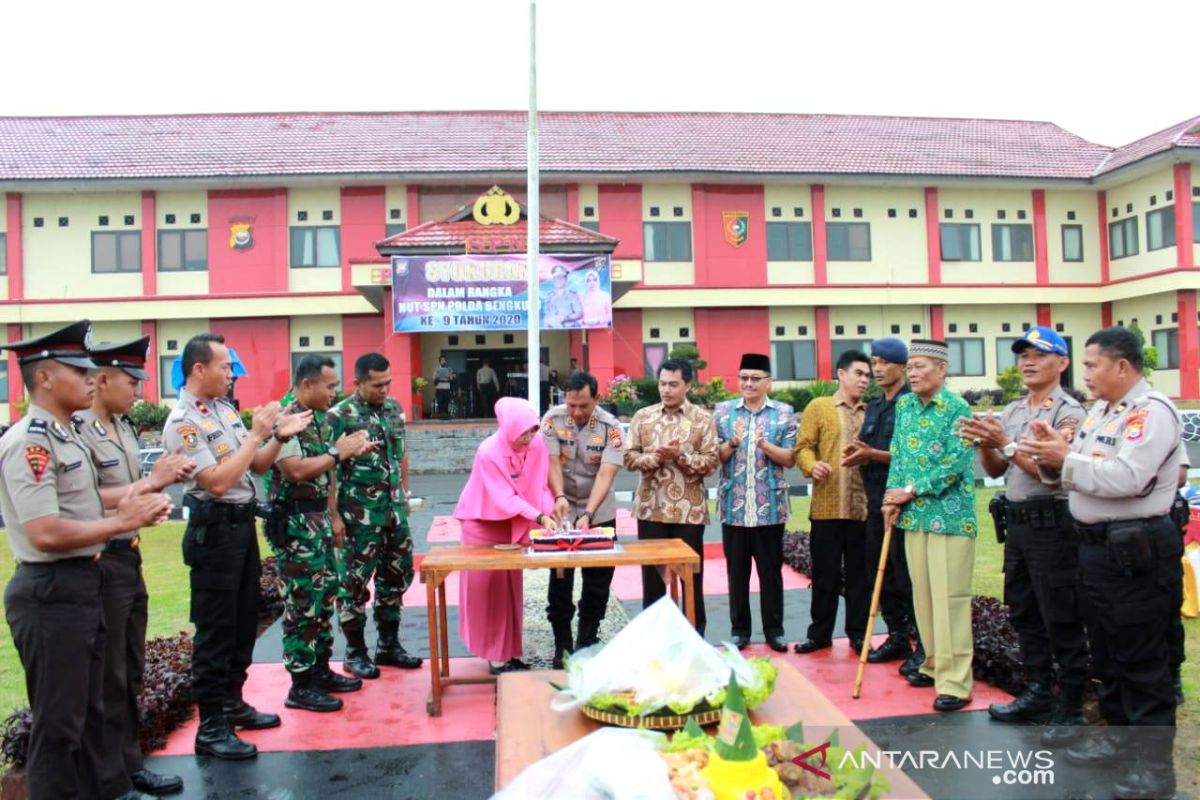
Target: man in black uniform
1041,561
221,542
1121,471
113,443
54,514
889,358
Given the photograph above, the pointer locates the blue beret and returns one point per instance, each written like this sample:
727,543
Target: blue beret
890,349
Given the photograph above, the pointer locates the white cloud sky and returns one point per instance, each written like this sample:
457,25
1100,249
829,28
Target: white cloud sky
1108,72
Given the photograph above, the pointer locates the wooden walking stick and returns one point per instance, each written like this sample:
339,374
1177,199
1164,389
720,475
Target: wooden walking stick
862,657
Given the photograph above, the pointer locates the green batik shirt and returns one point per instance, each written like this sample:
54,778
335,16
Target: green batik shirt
369,487
927,455
315,440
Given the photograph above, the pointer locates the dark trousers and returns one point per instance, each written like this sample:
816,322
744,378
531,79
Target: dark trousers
837,545
57,626
1129,617
225,571
593,599
895,598
763,545
125,600
652,583
1041,580
488,391
442,397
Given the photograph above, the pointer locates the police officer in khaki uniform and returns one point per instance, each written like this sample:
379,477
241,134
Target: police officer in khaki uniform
54,514
221,542
1121,471
562,309
1041,561
113,443
584,443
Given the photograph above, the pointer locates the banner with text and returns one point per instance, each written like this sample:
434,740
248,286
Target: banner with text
491,293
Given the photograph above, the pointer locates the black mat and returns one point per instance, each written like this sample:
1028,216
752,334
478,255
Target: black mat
459,770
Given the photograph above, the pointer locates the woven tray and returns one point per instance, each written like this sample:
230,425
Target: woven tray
663,722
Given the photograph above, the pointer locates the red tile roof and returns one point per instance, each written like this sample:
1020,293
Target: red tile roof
1184,134
446,234
489,142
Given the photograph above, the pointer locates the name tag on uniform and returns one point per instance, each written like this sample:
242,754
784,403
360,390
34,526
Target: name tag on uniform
212,437
112,463
1111,441
70,467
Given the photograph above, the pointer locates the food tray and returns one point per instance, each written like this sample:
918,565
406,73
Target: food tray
657,722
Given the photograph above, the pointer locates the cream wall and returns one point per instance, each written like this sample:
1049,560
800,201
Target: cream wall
878,321
396,196
989,322
183,205
985,205
668,321
787,198
791,318
316,328
58,261
1137,193
1079,321
898,251
668,197
177,331
589,197
1145,310
1058,204
316,201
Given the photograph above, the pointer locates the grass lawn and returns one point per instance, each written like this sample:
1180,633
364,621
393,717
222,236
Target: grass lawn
167,581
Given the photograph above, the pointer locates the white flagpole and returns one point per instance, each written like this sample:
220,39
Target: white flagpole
534,379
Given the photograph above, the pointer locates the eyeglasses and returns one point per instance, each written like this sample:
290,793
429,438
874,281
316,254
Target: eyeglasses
752,379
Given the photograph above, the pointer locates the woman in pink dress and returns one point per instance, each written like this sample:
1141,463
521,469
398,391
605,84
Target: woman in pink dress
501,503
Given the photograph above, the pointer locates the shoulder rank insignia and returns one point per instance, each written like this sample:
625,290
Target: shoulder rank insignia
38,459
60,431
99,426
203,409
1120,407
37,425
76,422
1048,403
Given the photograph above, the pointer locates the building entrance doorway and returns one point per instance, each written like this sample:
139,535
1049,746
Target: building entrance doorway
512,375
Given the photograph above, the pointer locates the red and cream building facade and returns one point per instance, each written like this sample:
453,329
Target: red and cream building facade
797,235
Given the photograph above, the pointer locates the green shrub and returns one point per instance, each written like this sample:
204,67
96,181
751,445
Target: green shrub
1010,383
823,388
647,390
148,416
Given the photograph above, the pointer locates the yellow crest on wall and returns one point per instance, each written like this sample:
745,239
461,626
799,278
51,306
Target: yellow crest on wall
496,207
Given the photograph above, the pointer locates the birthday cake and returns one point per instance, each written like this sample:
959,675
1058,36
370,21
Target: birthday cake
543,541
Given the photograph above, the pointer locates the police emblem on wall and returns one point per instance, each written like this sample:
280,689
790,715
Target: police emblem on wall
496,207
737,226
241,233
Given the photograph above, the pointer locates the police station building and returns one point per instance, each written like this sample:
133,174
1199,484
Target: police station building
797,235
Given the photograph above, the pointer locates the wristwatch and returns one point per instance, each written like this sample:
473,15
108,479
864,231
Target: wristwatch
1008,451
337,457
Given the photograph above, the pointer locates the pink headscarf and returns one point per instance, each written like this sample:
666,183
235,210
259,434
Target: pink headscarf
506,482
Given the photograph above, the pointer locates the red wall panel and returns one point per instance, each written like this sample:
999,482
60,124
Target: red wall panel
403,352
363,223
150,389
149,244
16,250
1041,251
262,345
627,343
719,263
263,267
360,334
621,216
1183,219
724,334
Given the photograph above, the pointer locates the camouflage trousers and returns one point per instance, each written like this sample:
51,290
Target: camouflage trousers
308,575
386,554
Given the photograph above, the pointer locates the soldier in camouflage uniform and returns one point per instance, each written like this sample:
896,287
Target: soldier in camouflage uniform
303,534
374,507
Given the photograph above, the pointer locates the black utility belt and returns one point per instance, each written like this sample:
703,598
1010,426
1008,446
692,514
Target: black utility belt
1039,512
123,545
1099,533
313,505
208,512
74,561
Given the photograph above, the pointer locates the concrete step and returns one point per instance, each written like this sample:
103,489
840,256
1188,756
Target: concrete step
444,448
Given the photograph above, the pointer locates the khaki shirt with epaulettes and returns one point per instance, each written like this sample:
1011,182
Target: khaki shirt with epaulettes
1064,413
1124,461
114,449
209,432
582,451
46,471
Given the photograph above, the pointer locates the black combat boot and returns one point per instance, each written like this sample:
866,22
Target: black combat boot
1035,704
894,648
1178,684
562,642
589,633
1100,751
327,680
389,652
1151,773
1067,724
304,695
358,658
215,738
913,663
240,714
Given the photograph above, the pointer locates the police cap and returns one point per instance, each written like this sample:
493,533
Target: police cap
68,345
129,356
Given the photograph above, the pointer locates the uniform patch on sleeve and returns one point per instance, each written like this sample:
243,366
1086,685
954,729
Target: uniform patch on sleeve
548,425
60,431
38,459
189,435
1135,429
614,437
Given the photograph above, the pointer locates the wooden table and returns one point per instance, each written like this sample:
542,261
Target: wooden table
527,729
680,562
